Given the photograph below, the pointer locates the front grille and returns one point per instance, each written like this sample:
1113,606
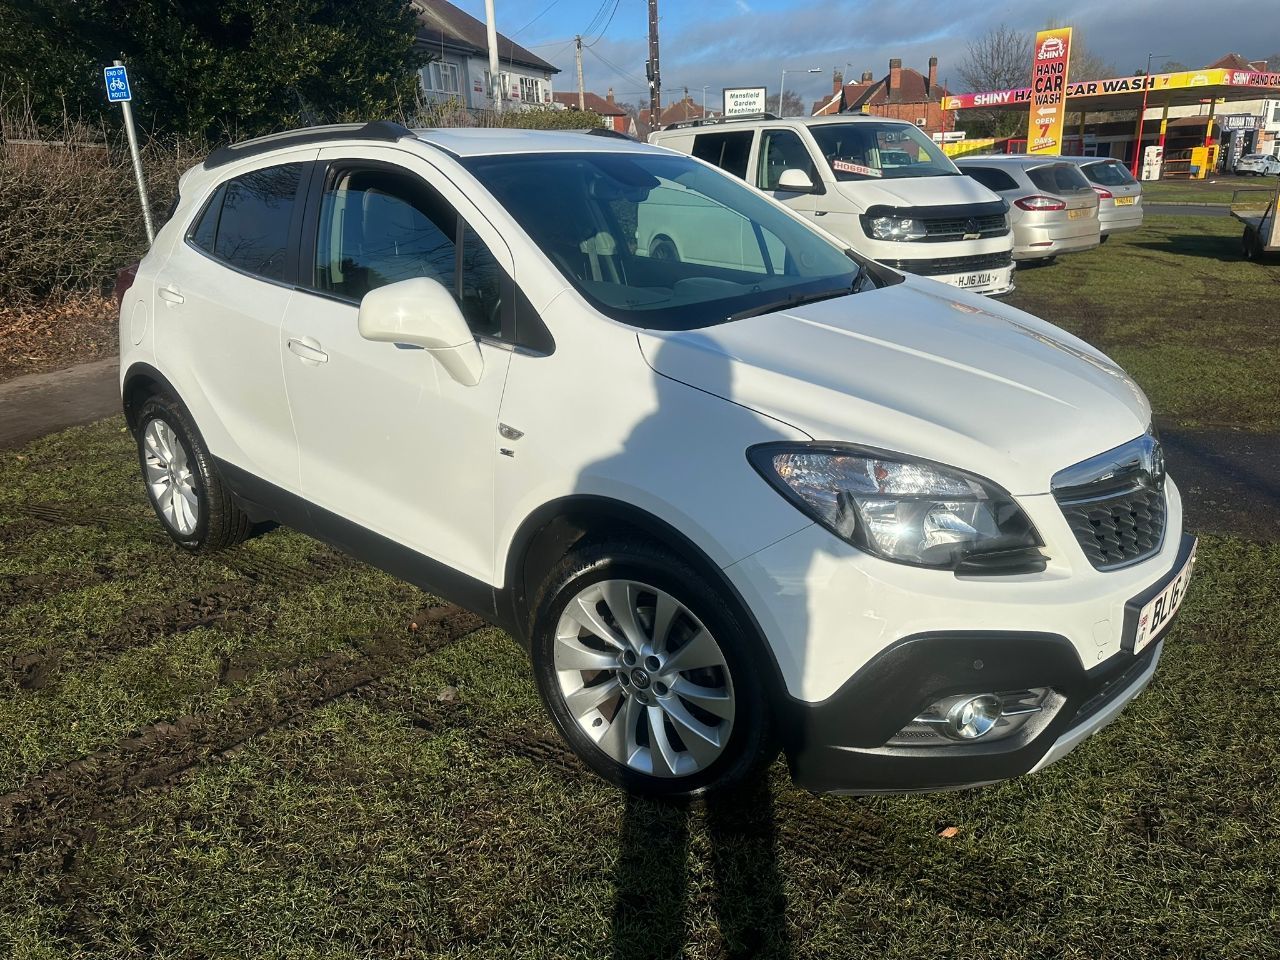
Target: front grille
945,265
959,227
1114,503
1120,530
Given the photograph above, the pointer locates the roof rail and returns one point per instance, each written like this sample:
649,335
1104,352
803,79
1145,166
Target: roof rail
606,132
386,131
707,121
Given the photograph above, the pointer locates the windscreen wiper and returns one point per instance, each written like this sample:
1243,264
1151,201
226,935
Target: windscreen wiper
797,299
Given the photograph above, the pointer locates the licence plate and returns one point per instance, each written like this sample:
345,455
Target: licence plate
1124,201
1159,610
971,280
1077,214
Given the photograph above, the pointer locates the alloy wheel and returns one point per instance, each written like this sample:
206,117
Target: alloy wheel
170,482
644,679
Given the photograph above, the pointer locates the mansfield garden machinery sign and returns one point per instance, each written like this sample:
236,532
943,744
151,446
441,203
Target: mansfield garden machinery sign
739,101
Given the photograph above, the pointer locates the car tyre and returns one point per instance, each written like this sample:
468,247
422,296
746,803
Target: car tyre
182,482
664,248
650,674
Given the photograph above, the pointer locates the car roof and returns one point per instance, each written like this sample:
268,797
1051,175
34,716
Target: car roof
720,124
1011,160
489,141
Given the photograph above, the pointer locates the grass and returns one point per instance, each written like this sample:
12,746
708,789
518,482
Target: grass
1177,305
1212,190
430,812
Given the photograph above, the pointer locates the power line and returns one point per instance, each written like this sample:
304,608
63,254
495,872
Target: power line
624,74
605,28
545,11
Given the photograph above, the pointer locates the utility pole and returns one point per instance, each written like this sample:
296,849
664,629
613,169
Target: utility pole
495,78
582,96
652,70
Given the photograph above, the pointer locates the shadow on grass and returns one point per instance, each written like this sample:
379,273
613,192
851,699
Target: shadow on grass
652,878
1208,246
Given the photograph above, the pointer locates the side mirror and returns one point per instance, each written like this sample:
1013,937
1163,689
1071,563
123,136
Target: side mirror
795,180
423,313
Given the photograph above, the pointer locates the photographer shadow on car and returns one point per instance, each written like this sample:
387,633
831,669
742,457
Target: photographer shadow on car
693,746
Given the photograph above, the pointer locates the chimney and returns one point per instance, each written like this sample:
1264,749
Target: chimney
895,77
609,96
868,76
933,76
837,82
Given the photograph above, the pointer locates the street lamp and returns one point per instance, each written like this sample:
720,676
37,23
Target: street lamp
1142,117
704,99
782,88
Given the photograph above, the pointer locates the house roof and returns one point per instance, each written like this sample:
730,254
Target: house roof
1233,61
913,88
595,103
442,25
683,109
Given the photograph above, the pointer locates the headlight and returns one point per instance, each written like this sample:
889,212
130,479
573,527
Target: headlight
908,511
895,228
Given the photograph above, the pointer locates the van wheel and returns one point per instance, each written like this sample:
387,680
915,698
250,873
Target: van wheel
664,248
182,483
647,672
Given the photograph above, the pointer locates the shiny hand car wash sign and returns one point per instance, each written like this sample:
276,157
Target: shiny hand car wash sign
1049,60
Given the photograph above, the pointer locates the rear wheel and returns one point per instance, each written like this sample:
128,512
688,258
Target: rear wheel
664,248
649,674
182,482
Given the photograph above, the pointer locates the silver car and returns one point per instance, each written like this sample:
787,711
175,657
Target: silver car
1052,207
1119,194
1258,165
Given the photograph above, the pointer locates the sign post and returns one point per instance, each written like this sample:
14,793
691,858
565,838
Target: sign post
1050,58
117,80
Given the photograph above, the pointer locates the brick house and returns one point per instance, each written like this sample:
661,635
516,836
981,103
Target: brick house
902,93
683,109
612,115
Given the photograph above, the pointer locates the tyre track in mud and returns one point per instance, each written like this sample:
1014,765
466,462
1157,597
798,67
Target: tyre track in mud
56,811
217,606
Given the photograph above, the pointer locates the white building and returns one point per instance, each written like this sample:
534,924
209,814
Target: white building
459,68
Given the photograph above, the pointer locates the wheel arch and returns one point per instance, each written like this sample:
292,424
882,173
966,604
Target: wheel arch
555,528
140,382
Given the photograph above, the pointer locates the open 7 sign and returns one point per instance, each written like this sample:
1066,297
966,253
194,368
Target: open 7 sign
1049,61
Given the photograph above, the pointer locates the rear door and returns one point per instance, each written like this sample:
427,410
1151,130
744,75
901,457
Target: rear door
387,438
220,300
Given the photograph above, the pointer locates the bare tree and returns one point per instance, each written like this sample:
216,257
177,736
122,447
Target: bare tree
1000,59
792,105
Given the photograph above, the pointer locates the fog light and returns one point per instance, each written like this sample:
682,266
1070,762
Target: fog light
973,718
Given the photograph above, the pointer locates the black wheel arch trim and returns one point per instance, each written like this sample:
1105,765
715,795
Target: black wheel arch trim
143,371
516,596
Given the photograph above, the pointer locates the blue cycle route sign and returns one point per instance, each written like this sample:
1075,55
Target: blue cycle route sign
117,79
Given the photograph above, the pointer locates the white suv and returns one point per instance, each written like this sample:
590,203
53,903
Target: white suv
764,496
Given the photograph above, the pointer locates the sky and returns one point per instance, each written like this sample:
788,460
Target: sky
725,43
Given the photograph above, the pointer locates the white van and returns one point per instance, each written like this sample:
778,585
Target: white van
930,220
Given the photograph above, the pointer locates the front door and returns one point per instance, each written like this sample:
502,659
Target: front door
778,151
386,437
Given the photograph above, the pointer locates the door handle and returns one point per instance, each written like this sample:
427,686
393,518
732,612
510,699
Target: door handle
170,294
308,350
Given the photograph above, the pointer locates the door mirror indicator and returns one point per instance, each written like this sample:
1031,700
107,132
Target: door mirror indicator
795,180
422,312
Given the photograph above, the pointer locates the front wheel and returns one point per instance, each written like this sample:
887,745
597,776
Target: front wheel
648,673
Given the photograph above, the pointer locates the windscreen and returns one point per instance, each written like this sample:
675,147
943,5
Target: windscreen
868,151
662,241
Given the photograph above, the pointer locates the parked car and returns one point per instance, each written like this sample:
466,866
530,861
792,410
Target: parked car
1054,209
1119,194
880,185
1258,165
913,537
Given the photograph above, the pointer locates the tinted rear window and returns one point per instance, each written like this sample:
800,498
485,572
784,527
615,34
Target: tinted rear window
728,151
1110,174
1058,178
246,224
991,178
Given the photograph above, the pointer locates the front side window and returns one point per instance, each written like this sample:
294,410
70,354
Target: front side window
869,150
662,241
782,150
379,227
246,224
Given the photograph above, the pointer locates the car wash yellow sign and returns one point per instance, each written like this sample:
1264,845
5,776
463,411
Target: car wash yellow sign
1050,58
